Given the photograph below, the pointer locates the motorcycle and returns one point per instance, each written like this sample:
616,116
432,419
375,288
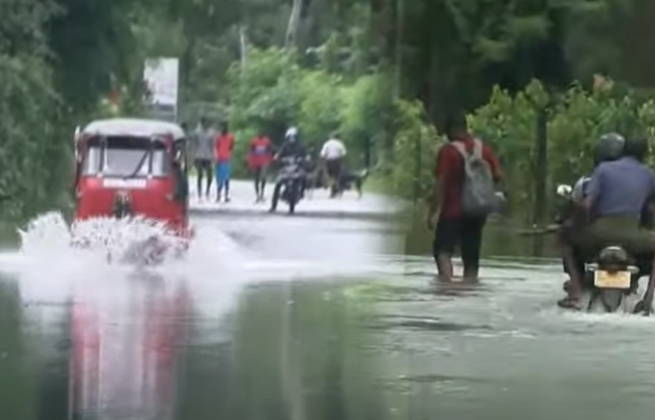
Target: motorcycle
610,275
289,185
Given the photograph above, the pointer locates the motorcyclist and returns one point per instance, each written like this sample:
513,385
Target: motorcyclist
613,206
610,147
572,218
291,148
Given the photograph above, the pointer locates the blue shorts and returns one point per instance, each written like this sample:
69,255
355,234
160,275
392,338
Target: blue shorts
222,172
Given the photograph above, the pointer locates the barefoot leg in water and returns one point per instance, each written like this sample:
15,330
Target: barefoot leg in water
446,238
444,267
471,244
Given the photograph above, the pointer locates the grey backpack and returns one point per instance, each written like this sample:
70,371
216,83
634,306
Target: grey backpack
479,190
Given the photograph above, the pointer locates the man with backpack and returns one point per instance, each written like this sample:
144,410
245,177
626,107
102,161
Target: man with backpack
466,176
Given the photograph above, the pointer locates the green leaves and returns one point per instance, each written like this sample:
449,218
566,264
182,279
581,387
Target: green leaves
576,122
34,146
415,147
508,122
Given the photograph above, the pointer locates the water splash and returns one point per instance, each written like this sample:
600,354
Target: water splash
50,270
49,236
215,267
46,234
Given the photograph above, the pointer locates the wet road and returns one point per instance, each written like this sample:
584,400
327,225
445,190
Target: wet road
305,318
255,324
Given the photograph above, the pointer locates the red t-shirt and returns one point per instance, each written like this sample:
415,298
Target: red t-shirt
260,152
450,167
223,147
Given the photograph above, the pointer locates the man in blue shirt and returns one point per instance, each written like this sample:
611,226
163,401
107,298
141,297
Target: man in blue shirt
617,194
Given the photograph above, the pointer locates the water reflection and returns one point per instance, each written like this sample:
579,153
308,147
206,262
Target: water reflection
297,351
124,356
142,349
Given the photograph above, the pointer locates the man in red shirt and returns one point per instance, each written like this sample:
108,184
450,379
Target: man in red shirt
453,228
260,156
223,154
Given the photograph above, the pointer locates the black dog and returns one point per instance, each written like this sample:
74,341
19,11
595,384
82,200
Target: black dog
352,180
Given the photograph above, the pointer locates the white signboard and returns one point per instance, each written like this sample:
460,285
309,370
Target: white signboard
161,78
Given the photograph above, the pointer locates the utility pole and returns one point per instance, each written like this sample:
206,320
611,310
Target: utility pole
400,11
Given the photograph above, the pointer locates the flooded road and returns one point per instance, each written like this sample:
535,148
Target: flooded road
255,324
315,317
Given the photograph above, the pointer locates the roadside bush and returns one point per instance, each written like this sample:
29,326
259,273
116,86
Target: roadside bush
368,120
273,92
415,147
36,144
576,119
322,99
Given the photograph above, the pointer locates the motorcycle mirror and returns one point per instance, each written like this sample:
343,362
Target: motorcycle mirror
564,190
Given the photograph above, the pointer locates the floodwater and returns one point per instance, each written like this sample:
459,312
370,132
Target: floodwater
278,317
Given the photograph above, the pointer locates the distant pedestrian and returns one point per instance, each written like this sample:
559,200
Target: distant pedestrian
259,157
333,153
223,153
464,192
202,149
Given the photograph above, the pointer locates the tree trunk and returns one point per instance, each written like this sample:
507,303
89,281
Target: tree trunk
400,14
292,27
243,47
541,178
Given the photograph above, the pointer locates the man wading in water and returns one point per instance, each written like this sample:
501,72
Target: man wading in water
463,196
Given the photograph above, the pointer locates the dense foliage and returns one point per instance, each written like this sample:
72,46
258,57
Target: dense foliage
273,91
507,62
31,157
58,59
576,119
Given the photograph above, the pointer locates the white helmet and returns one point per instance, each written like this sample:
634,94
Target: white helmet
291,132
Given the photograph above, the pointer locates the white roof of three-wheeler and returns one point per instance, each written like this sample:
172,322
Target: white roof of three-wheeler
133,127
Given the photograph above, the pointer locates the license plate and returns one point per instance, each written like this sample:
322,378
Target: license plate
137,184
617,280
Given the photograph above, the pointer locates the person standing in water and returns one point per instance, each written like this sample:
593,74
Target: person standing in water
202,148
223,154
454,226
260,156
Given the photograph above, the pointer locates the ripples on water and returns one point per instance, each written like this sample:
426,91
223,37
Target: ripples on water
501,349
